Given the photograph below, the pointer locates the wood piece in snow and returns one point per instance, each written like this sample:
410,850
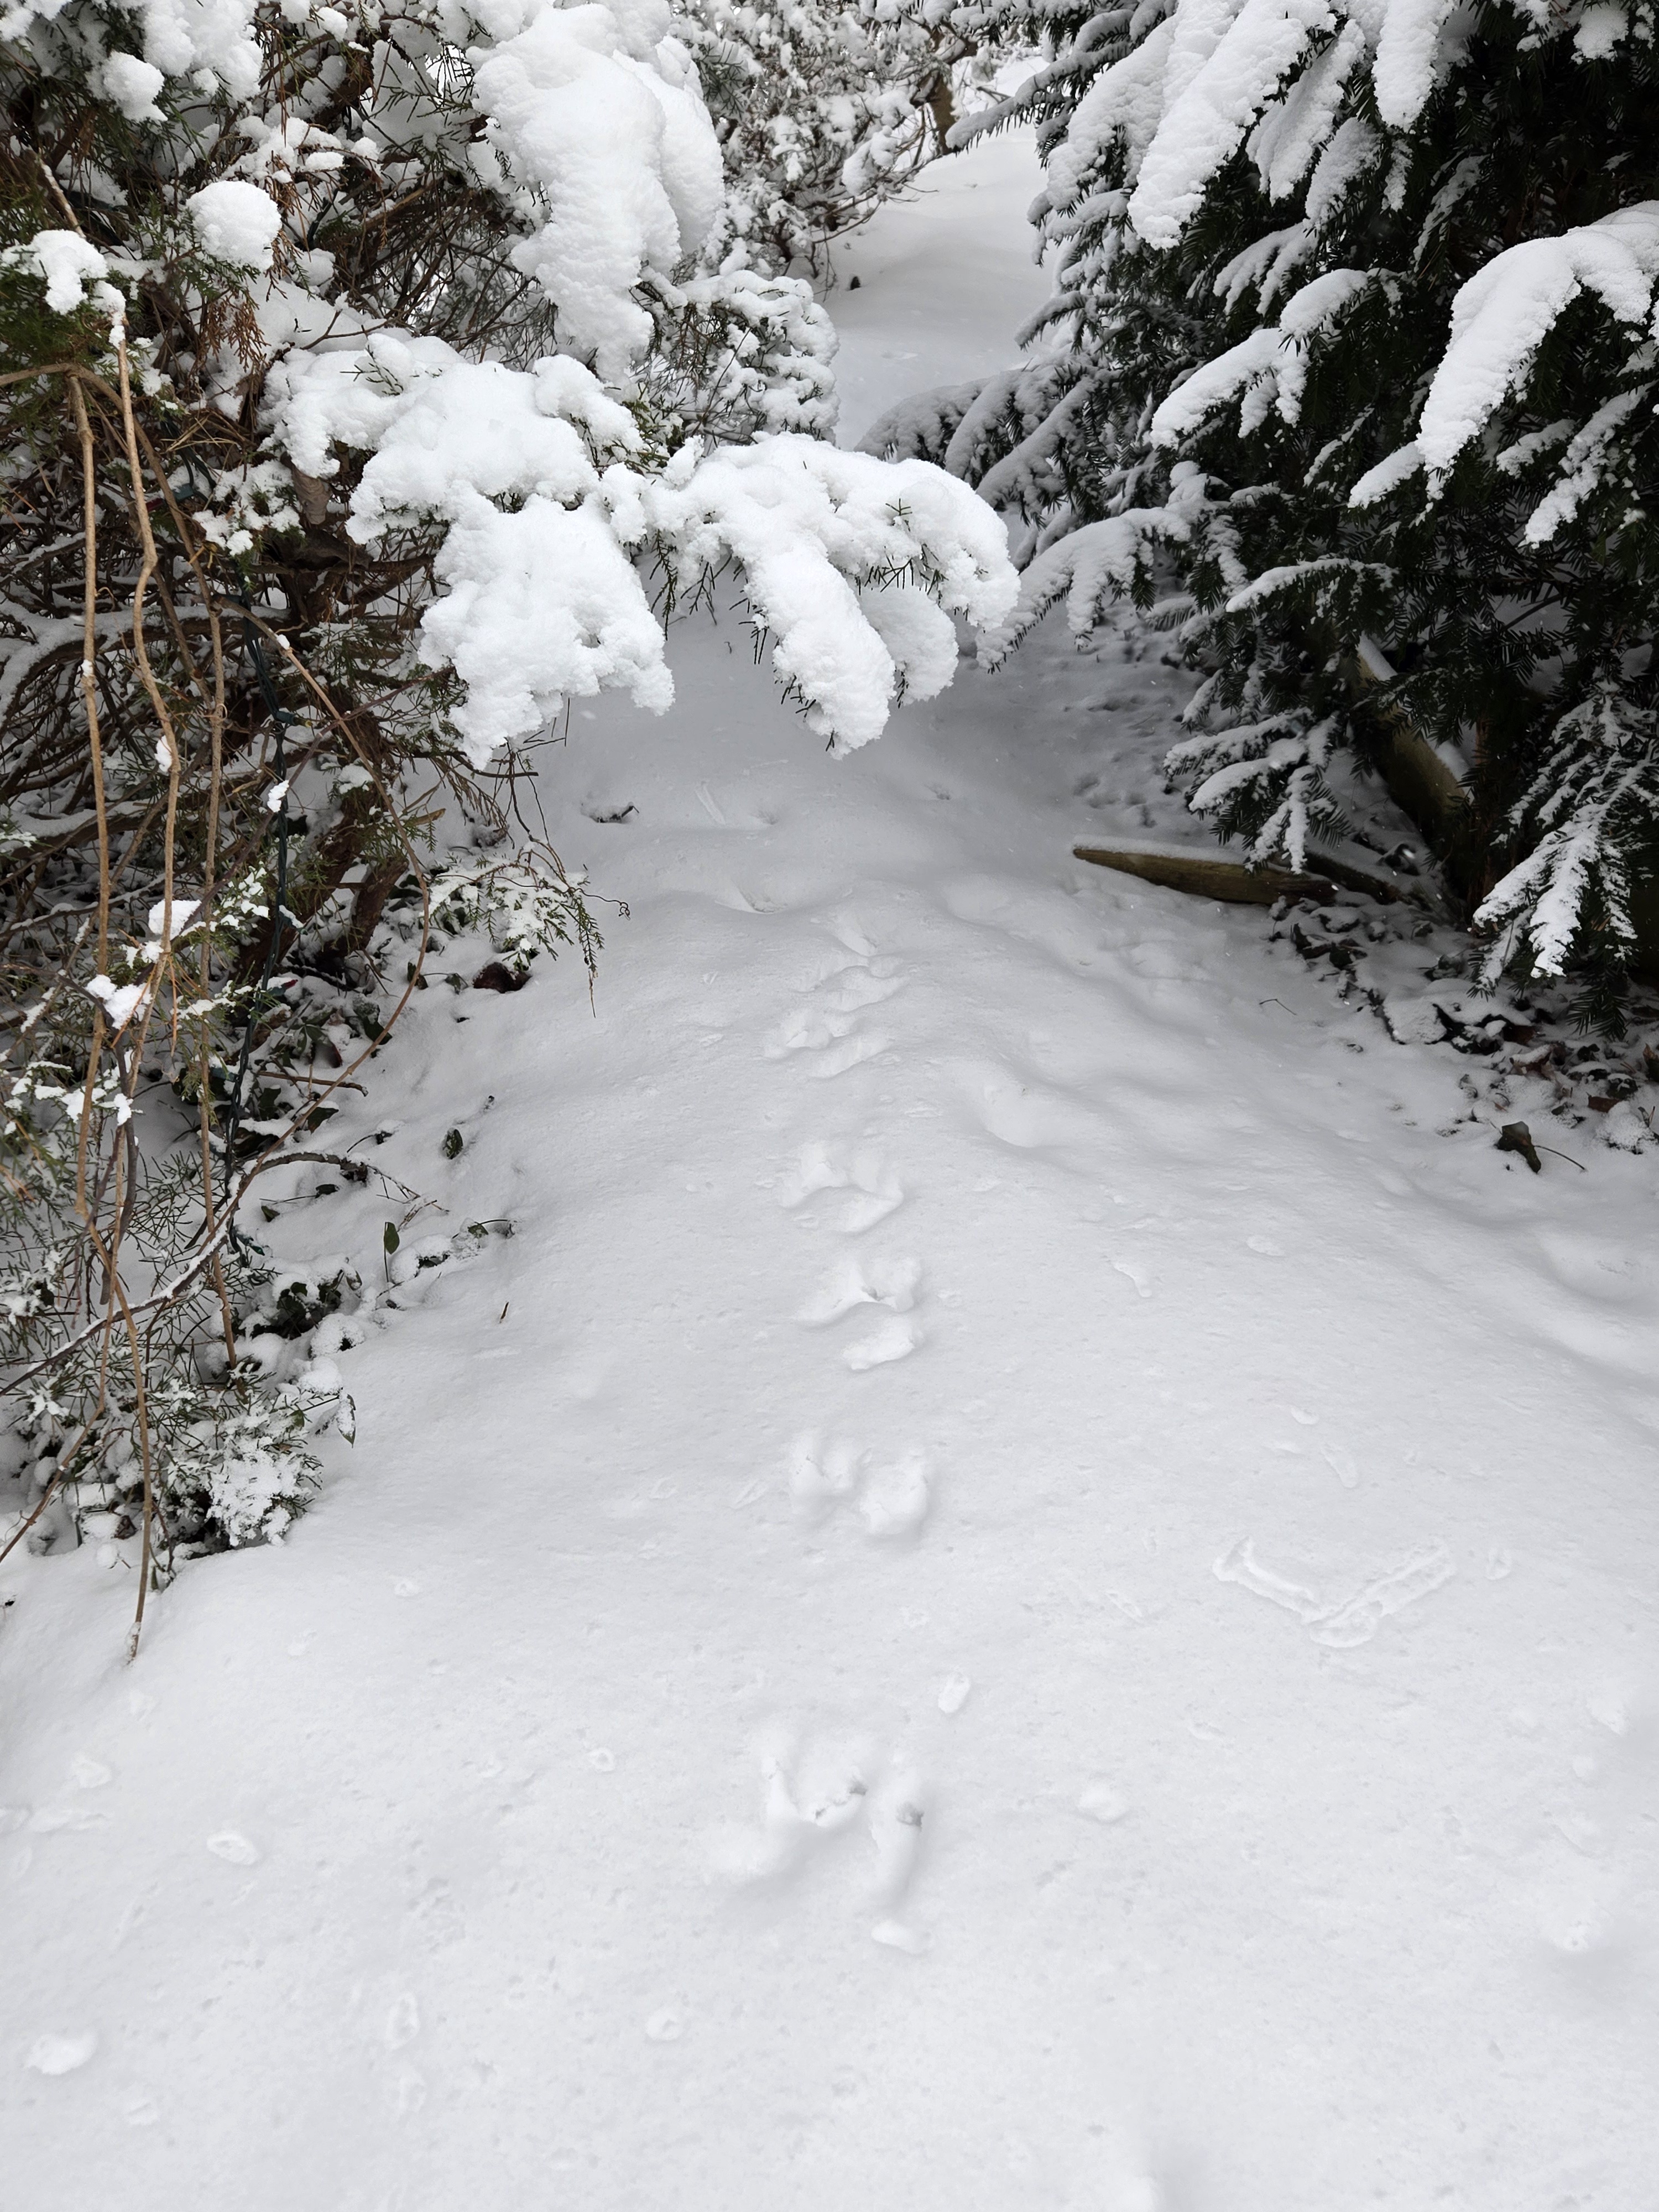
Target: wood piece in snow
1517,1137
1422,784
1207,875
1175,865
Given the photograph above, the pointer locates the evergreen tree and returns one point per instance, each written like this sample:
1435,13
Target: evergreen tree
1352,331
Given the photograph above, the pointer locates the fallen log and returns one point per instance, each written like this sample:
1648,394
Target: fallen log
1209,875
1424,786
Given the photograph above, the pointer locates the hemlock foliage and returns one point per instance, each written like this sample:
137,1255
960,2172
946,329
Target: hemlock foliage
1352,339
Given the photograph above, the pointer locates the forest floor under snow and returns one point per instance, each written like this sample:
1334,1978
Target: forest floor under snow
1031,1583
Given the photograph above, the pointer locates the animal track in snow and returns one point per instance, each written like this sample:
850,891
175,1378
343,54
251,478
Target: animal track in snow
890,1283
814,1792
895,1812
809,1794
1357,1618
953,1693
1102,1802
830,1036
1342,1465
820,1475
874,1191
894,1502
895,1339
825,1026
806,1029
865,987
848,1053
891,1501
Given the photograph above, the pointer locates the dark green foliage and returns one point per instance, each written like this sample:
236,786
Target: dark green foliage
1525,654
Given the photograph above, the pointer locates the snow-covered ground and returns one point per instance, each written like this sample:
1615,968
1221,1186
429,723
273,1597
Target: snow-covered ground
1022,1588
943,281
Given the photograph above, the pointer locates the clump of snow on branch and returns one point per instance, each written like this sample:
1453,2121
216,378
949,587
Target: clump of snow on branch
1269,366
597,113
1503,315
588,126
854,565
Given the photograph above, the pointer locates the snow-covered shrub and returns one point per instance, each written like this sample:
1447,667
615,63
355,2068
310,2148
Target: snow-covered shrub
368,395
1353,331
823,110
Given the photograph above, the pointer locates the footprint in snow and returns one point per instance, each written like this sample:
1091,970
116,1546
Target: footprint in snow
1029,1116
806,1029
231,1845
890,1501
895,1339
891,1283
819,1475
850,932
825,1026
872,1190
839,1059
865,987
827,1788
1342,1466
953,1693
1103,1803
810,1793
894,1500
895,1811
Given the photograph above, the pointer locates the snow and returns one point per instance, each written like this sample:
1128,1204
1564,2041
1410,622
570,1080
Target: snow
1396,468
1090,567
838,553
132,85
119,1001
1409,55
1581,466
1294,129
1125,100
1603,26
172,915
236,222
67,264
1270,364
926,267
1502,315
1205,120
599,110
814,531
1353,148
1028,1583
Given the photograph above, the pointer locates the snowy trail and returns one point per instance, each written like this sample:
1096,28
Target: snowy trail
1020,1588
944,279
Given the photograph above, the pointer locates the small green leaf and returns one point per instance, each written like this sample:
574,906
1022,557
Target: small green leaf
391,1239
